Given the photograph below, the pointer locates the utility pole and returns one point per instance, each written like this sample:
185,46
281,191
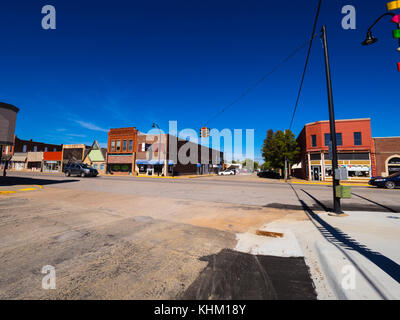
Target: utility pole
335,182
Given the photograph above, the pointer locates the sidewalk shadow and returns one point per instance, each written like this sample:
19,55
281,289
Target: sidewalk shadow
15,181
377,203
338,237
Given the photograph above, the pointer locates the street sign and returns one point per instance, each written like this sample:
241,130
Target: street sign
393,5
341,174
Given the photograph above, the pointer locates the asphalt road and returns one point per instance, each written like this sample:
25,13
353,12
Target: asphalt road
144,238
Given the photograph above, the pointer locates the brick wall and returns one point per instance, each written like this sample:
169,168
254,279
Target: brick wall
385,148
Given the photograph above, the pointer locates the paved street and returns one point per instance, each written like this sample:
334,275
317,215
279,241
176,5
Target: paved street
145,238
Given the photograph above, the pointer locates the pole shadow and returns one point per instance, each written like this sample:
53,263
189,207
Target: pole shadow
338,237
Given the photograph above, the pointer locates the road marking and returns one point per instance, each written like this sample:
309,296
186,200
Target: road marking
21,190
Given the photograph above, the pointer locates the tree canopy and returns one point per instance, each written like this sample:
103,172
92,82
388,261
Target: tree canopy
278,146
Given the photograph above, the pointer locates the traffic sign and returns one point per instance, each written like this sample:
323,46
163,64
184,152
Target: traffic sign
393,5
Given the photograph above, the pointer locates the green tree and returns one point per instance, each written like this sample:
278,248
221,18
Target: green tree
250,164
278,146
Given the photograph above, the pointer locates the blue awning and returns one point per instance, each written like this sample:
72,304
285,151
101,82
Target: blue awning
154,162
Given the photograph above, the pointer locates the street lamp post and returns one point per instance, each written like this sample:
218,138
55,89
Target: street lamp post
336,200
159,145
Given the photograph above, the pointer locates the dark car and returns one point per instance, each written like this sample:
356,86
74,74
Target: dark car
271,174
80,169
389,182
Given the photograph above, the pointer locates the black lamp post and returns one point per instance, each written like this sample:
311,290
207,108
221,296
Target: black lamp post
370,39
155,125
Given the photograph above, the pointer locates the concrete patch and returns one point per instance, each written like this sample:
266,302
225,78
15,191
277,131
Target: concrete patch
287,246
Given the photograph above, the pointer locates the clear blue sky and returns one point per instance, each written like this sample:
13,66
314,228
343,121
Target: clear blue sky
131,63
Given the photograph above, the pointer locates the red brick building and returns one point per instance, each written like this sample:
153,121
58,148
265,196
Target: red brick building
355,150
387,155
122,144
34,146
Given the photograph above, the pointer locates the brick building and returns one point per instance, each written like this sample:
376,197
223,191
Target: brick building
387,155
355,150
34,146
122,143
165,158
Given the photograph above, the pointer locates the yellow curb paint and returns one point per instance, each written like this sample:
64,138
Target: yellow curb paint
27,189
329,184
7,192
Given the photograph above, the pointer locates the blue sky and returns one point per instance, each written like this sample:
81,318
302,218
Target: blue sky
131,63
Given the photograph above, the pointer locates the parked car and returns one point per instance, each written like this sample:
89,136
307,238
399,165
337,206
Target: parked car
80,169
269,174
389,182
226,173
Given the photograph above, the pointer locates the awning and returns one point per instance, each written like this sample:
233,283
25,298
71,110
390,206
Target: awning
154,162
19,157
35,156
52,156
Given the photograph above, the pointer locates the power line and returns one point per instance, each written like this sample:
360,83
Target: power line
313,35
259,81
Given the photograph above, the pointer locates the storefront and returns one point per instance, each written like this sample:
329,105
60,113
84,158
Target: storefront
18,161
151,167
52,161
34,161
120,164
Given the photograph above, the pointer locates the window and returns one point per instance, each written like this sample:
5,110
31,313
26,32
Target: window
315,156
112,145
35,149
24,148
313,140
102,166
95,166
124,145
357,139
45,149
130,145
339,140
118,145
54,149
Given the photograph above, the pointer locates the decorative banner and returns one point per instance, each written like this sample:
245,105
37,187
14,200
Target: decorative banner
396,19
394,5
398,66
396,34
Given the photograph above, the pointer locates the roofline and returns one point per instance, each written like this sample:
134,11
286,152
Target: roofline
339,120
385,137
9,106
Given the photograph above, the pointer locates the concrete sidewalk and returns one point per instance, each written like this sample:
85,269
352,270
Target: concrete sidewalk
357,255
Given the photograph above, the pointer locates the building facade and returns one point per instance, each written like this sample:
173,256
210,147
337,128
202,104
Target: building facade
8,116
355,150
73,153
52,161
96,157
122,143
387,155
34,146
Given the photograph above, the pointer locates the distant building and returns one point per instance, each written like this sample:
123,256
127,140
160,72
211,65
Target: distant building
8,116
73,153
355,150
387,155
52,161
131,152
96,157
35,146
121,150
